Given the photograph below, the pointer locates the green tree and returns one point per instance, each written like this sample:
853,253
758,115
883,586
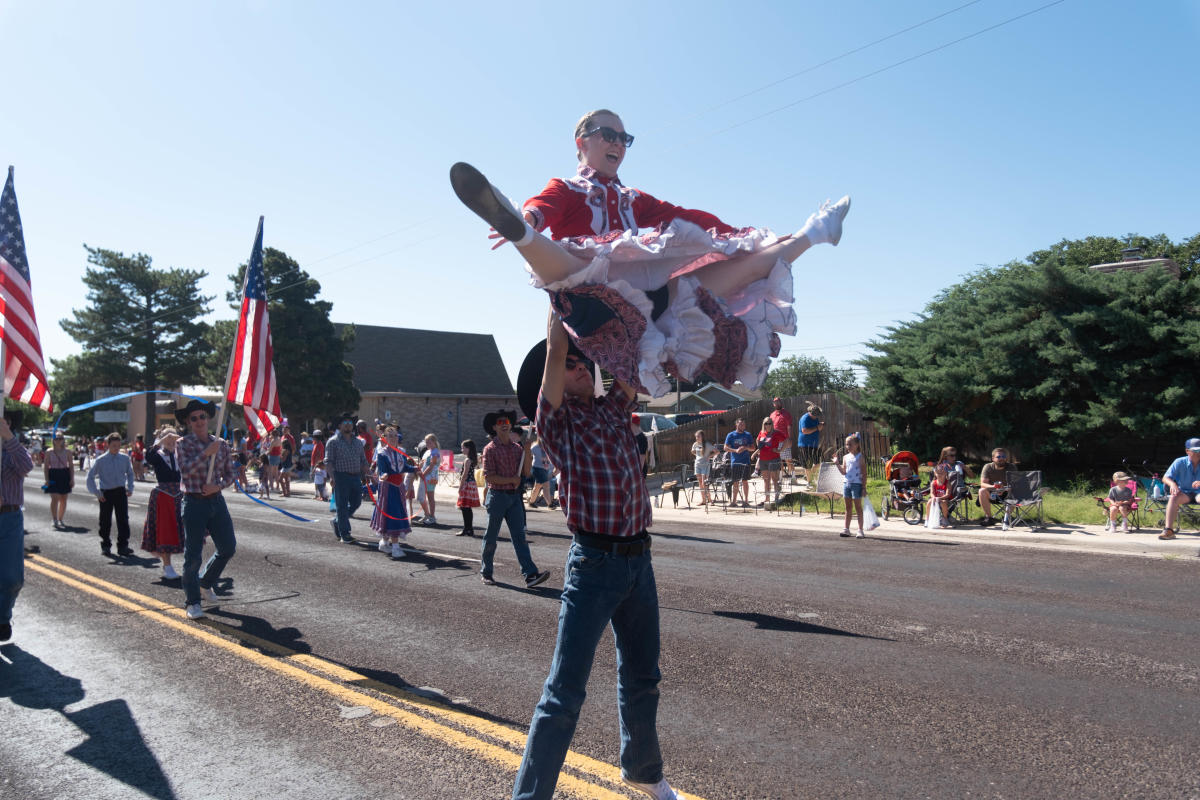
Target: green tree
311,374
142,326
1045,357
798,375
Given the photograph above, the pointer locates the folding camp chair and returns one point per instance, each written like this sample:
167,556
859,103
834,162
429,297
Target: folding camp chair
1023,505
1134,517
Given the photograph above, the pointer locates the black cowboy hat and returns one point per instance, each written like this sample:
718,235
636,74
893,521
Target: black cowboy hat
343,417
491,418
182,414
14,416
529,379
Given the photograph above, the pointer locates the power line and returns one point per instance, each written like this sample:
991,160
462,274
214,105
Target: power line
881,70
817,66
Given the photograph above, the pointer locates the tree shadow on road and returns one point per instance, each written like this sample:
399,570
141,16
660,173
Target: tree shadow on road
772,623
114,744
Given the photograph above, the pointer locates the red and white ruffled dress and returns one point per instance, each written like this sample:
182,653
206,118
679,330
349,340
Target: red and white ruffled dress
636,309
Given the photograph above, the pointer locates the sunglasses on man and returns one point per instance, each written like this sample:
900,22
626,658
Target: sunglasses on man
611,136
573,362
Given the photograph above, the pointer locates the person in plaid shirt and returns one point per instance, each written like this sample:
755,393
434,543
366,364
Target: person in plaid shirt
505,463
204,508
609,575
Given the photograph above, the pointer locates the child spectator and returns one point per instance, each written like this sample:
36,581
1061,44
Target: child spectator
1119,502
319,476
939,492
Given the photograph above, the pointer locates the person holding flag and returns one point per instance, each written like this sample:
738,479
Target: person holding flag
205,468
24,379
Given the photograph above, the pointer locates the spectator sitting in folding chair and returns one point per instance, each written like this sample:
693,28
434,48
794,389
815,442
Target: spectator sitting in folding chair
1183,482
993,484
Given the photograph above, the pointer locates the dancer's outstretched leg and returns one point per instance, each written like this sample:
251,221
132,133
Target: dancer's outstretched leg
723,278
549,262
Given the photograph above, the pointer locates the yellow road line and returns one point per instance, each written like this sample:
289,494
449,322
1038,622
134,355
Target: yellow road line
290,663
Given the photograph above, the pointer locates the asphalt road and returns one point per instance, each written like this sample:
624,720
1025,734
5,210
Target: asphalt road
796,664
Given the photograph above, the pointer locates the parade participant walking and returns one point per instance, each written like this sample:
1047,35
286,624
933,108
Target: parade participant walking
162,533
505,462
111,481
348,467
15,464
58,469
390,519
609,577
204,507
137,457
468,488
429,478
696,295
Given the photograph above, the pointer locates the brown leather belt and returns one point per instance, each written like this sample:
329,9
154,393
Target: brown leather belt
7,509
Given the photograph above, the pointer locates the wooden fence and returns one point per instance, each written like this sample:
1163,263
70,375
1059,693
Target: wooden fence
674,447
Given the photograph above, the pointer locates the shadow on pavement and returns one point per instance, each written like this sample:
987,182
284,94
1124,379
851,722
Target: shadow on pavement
390,683
114,746
289,637
879,538
772,623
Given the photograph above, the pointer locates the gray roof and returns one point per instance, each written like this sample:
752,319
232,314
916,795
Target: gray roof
426,362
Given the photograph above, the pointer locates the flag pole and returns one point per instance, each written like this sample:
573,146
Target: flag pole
224,405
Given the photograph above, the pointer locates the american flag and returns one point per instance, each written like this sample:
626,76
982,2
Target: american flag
24,368
252,376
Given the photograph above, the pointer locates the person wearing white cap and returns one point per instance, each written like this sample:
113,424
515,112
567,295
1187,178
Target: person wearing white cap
1183,482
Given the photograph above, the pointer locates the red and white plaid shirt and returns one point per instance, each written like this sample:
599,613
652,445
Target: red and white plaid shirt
193,466
502,460
601,486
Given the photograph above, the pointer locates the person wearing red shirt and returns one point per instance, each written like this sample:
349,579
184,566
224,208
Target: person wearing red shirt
696,295
768,443
782,422
137,456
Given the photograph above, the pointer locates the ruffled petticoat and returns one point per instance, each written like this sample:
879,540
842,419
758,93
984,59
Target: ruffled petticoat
607,311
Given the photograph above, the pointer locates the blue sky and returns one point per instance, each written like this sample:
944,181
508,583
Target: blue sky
168,128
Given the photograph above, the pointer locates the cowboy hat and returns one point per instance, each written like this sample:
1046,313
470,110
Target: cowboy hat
182,414
490,419
529,379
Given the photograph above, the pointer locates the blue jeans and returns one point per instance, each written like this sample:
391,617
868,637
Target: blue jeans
505,507
12,561
600,589
202,514
347,497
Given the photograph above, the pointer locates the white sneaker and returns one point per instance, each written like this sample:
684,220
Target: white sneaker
398,551
1124,526
208,594
384,545
861,535
194,611
169,572
659,791
825,226
1108,526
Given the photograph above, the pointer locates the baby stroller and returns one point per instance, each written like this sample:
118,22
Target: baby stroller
903,494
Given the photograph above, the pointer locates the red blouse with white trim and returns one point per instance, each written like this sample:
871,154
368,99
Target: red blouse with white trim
591,204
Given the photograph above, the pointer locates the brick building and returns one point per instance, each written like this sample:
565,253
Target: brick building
438,382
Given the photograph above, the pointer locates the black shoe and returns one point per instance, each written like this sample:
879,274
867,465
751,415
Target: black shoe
124,551
465,533
536,578
5,632
348,539
481,197
106,549
487,580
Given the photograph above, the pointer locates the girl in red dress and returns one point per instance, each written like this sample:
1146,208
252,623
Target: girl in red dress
694,296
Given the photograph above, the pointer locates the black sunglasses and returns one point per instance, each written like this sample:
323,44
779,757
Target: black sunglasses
611,136
573,362
198,417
